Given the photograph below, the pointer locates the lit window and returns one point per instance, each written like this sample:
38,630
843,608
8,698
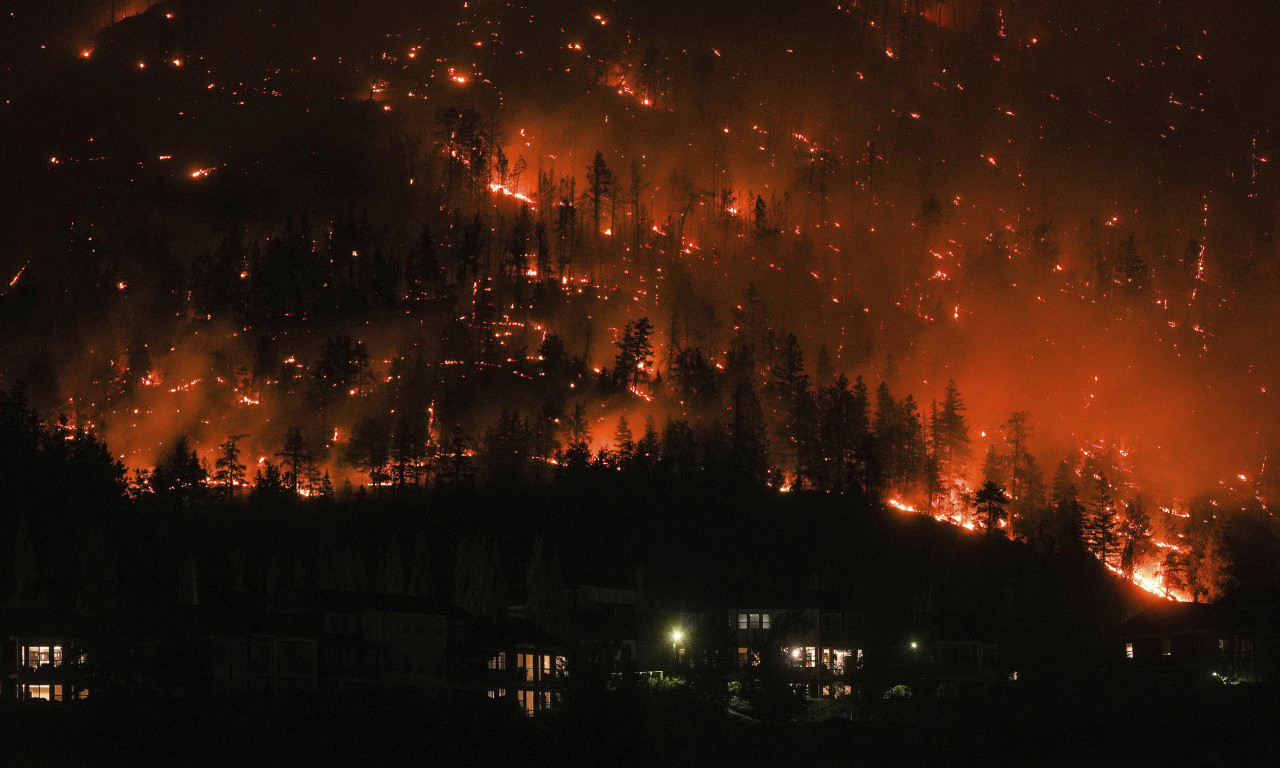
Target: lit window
742,621
754,621
810,656
499,661
764,620
38,655
743,656
1128,650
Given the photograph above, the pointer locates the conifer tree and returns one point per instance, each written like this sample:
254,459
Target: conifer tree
229,472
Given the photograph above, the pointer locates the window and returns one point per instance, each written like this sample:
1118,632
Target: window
833,659
1128,650
39,655
546,666
497,693
764,621
562,666
498,661
810,656
744,655
742,621
524,664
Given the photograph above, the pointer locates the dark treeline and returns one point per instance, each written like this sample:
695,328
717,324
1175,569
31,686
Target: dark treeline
83,540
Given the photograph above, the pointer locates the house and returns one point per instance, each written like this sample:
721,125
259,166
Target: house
1191,645
45,668
814,636
381,642
523,663
47,656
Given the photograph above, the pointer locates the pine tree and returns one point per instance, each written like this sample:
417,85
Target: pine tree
648,447
951,433
268,482
1068,527
749,442
600,184
634,362
229,472
1016,432
794,418
991,504
1173,572
369,449
1030,513
623,444
1101,524
994,466
1135,533
326,486
294,457
179,474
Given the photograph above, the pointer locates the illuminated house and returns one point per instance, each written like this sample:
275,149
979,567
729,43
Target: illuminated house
47,657
44,668
817,645
523,663
1190,645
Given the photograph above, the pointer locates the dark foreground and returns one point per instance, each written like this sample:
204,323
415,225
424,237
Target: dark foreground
1225,727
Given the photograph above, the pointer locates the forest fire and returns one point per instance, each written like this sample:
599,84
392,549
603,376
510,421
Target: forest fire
807,276
875,365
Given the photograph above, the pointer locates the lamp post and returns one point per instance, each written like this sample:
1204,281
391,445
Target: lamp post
677,635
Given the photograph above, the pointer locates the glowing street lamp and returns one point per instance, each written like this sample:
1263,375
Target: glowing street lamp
677,635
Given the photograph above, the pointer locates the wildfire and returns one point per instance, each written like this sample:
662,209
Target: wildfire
508,192
18,276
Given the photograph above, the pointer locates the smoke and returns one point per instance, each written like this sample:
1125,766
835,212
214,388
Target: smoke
908,172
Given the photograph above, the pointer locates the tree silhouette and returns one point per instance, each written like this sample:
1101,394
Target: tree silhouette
229,472
179,475
991,504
